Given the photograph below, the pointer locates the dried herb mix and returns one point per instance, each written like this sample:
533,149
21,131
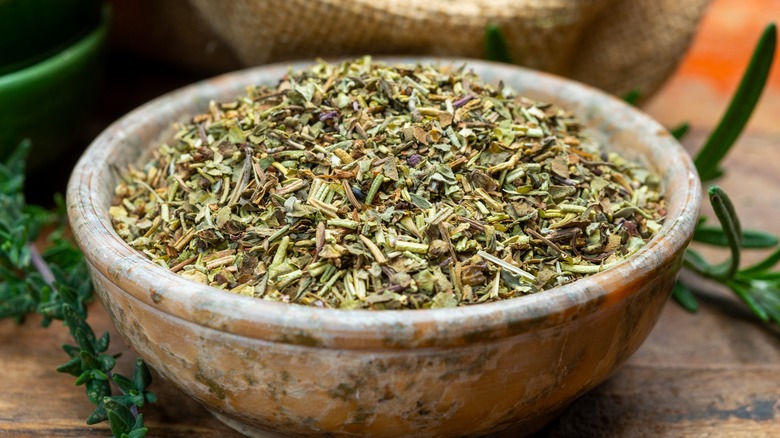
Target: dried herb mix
363,185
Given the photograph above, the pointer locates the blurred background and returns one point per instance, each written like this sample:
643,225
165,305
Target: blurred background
71,67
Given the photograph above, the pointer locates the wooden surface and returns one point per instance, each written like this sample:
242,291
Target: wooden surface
714,373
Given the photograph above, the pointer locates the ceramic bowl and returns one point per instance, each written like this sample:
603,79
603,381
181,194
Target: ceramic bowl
31,30
272,369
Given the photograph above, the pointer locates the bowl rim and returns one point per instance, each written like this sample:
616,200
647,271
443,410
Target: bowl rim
161,290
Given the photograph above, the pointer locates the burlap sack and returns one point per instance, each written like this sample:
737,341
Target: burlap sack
617,45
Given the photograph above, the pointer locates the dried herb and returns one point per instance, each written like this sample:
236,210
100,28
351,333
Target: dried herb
757,286
361,185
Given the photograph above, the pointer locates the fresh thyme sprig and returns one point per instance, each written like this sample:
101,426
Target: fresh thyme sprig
757,286
31,281
55,284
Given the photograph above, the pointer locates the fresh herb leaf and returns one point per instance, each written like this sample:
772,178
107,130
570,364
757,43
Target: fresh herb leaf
496,48
680,130
632,97
724,210
750,238
120,417
764,265
746,294
697,263
757,286
55,284
741,107
684,296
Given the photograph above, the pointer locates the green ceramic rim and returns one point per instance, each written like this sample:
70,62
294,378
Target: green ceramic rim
62,60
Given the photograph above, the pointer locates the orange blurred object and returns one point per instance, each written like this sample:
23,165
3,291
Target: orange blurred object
728,34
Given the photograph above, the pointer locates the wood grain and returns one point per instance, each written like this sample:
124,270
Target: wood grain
37,401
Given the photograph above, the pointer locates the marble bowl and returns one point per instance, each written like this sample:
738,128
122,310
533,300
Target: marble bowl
272,369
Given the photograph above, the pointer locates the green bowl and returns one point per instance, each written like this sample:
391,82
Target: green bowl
49,102
45,27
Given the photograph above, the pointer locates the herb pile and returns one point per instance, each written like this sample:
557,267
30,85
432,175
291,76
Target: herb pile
361,185
758,286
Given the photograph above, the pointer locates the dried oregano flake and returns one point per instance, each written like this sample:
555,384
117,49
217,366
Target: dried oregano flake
363,185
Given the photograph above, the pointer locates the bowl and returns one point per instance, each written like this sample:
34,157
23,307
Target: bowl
50,100
46,27
274,369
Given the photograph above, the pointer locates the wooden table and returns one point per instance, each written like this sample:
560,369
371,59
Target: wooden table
714,373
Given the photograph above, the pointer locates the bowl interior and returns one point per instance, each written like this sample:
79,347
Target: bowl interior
618,126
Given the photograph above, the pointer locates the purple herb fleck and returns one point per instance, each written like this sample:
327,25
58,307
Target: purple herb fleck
462,101
414,160
328,115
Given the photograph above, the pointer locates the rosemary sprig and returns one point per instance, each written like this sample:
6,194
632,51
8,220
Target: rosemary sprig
757,286
632,97
496,48
680,130
751,239
56,285
740,109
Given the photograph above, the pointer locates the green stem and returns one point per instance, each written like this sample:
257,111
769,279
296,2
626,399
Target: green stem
40,265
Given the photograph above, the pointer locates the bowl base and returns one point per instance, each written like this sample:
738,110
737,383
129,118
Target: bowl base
527,427
523,429
245,430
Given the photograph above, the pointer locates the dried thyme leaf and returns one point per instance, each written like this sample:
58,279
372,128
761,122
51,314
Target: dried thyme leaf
363,185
